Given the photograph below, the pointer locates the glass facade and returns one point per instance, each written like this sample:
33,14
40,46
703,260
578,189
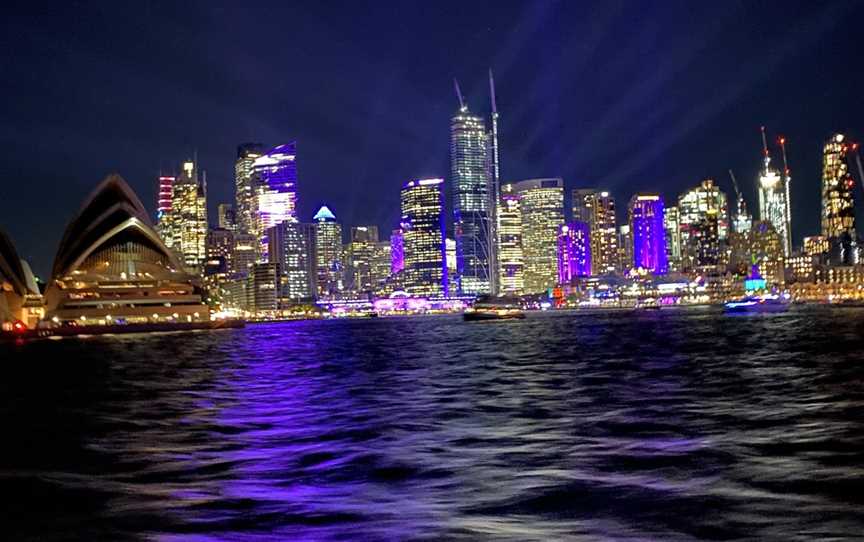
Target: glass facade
328,253
510,258
274,192
424,250
704,223
604,235
648,233
838,212
574,251
243,193
773,205
542,206
472,202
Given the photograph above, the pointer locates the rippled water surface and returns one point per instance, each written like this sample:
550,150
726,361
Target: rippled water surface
680,424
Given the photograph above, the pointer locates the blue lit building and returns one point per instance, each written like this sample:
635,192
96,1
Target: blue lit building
648,233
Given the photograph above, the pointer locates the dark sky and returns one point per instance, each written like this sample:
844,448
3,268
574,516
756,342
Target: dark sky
626,96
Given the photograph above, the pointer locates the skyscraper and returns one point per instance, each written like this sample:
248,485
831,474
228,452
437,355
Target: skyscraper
291,249
397,252
425,265
470,182
574,251
838,211
510,258
360,259
672,224
227,217
648,233
274,190
189,215
494,157
164,206
773,198
542,206
247,153
604,234
328,253
703,215
584,201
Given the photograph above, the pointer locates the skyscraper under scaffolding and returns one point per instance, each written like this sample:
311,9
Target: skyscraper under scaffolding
774,196
472,200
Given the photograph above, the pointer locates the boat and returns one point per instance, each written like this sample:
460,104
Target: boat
494,308
758,303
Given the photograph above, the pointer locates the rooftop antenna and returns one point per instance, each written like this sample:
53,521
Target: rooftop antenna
459,95
492,93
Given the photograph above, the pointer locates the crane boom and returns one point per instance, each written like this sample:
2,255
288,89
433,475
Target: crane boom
735,184
459,94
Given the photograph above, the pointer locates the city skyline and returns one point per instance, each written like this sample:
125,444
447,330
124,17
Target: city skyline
579,134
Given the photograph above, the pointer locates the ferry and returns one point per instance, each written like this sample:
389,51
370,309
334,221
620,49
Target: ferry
491,308
759,303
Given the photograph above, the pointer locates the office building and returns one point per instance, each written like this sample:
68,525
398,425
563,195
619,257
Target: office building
292,251
542,207
510,257
425,265
328,253
774,198
274,191
227,217
704,225
574,251
244,205
472,202
648,233
189,216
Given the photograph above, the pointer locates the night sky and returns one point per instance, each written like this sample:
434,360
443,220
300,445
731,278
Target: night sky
627,96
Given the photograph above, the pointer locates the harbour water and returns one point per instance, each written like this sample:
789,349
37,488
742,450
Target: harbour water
670,424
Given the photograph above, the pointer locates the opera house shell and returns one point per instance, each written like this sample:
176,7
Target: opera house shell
112,267
20,300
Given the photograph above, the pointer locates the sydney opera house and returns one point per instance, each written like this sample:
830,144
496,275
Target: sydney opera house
20,299
112,268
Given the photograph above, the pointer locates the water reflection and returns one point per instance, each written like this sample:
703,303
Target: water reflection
664,424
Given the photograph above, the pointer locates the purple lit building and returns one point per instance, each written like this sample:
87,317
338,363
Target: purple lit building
397,253
274,192
648,233
574,251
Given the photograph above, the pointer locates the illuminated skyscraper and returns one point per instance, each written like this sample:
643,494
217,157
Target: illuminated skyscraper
625,248
292,250
360,260
773,198
274,192
604,235
574,251
838,211
542,206
164,216
245,253
244,197
397,252
450,248
189,216
328,253
703,215
672,224
472,198
510,258
648,233
425,265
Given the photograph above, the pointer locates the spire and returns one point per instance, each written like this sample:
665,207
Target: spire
492,93
462,106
